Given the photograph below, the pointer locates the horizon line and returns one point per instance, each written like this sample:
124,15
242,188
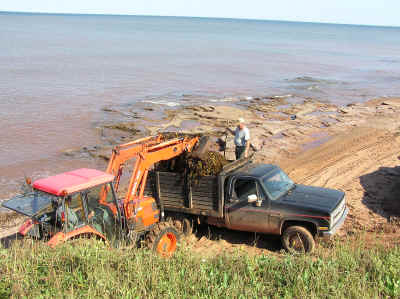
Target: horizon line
199,17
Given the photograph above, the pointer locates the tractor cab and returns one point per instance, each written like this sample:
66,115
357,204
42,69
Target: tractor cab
70,205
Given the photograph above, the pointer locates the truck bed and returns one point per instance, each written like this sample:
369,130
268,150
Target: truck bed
204,197
174,193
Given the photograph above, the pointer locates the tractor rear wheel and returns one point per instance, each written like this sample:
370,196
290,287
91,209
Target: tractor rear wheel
163,239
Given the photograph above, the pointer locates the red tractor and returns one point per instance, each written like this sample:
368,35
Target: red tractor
84,202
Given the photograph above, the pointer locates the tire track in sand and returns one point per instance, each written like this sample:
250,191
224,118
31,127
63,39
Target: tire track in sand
351,162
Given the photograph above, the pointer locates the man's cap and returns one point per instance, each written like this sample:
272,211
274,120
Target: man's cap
241,120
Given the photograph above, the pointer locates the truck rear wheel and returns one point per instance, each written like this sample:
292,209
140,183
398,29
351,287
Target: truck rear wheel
187,226
163,239
182,224
298,239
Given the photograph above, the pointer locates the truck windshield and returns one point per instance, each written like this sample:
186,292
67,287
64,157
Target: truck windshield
277,184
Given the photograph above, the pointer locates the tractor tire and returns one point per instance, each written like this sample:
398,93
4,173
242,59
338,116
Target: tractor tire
298,239
163,239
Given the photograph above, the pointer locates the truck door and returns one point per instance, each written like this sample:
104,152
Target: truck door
242,214
275,186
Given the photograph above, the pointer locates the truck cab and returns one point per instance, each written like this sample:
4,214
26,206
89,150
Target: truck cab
262,198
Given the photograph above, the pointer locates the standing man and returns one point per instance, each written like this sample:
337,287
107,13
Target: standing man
242,140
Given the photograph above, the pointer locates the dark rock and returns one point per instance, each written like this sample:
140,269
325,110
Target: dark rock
125,126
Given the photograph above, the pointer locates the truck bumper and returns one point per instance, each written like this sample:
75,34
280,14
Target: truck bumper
328,234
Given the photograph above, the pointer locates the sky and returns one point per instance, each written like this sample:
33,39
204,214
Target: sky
366,12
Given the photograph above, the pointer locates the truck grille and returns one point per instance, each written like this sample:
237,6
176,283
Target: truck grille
337,213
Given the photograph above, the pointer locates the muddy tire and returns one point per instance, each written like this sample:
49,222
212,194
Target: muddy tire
298,239
187,226
182,224
163,239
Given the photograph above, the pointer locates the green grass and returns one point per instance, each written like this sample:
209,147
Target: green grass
31,269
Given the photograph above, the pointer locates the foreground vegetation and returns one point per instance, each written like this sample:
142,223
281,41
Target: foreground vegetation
94,270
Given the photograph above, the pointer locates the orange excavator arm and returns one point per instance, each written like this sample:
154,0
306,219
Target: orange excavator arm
124,152
151,155
147,151
121,154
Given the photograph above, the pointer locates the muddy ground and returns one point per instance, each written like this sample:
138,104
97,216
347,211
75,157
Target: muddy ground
353,148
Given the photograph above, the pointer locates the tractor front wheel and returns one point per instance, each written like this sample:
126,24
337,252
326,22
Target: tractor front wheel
163,239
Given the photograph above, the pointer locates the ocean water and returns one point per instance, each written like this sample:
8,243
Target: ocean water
57,72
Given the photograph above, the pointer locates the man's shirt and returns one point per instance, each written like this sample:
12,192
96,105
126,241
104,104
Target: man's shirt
241,136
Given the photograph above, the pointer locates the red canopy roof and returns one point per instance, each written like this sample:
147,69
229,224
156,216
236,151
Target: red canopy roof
73,181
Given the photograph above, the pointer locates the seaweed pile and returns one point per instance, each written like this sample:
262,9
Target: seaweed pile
210,164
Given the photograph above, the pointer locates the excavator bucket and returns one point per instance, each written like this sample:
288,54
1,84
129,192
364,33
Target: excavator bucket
205,145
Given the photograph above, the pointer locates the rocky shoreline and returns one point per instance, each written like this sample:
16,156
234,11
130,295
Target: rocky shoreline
278,127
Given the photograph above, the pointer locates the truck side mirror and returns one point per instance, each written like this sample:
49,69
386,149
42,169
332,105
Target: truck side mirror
252,198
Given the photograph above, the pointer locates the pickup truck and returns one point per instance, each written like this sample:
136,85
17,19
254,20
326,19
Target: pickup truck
251,197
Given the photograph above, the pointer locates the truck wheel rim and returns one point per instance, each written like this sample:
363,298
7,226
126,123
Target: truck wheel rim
167,244
296,243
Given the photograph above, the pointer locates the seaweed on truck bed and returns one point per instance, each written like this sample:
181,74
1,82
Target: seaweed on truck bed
204,160
211,164
194,168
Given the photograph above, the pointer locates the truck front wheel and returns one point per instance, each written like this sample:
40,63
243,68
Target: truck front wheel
163,239
298,239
